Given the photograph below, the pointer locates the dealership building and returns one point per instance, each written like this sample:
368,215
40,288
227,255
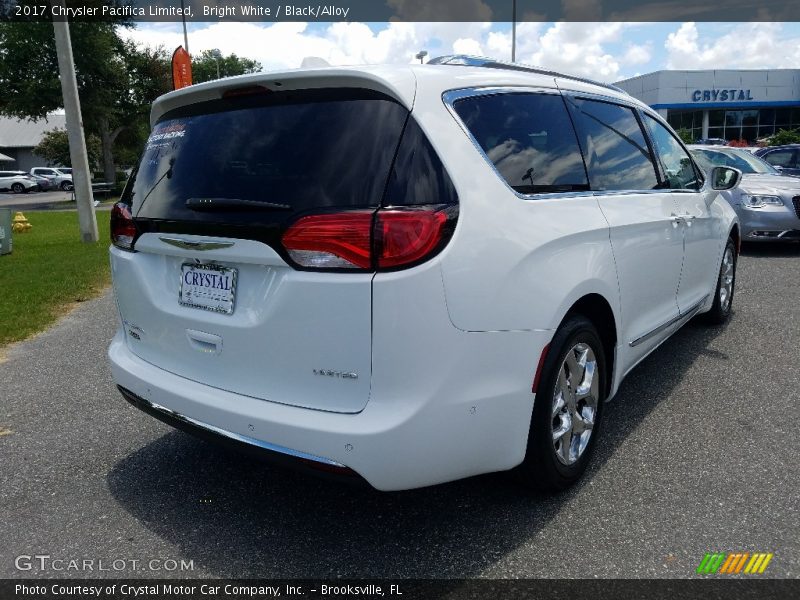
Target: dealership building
730,104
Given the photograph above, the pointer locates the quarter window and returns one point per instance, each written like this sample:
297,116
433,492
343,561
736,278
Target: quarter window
529,139
678,167
616,152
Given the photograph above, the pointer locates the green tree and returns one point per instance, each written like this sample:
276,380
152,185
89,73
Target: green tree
685,135
204,66
54,148
785,136
117,81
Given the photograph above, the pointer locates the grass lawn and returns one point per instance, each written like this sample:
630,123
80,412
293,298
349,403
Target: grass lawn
48,271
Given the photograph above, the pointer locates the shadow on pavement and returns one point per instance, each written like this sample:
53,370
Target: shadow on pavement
236,517
766,249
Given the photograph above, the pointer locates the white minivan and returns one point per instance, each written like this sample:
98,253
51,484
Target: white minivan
409,274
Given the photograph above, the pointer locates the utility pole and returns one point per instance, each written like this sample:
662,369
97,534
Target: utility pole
77,143
513,31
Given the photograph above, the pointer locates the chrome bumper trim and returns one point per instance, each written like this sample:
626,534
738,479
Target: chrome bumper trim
234,436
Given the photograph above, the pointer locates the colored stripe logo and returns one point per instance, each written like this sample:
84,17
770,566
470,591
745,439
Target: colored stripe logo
733,563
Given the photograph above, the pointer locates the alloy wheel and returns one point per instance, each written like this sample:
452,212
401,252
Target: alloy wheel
575,402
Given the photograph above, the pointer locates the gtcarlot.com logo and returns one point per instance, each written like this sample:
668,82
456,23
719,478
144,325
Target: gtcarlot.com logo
45,562
734,563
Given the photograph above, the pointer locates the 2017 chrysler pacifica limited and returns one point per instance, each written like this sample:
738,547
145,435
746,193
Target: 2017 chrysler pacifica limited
412,274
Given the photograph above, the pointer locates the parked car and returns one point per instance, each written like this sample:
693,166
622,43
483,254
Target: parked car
18,182
413,273
45,184
712,141
784,158
767,202
62,177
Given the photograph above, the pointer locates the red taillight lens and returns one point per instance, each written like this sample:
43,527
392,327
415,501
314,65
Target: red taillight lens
382,239
123,230
407,236
332,241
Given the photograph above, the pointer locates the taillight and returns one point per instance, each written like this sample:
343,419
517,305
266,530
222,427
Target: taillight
123,230
331,241
384,239
407,236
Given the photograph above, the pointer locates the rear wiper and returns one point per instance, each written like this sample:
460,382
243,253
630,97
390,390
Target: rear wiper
232,204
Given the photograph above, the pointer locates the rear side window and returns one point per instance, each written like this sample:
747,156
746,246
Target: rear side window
529,138
300,151
617,155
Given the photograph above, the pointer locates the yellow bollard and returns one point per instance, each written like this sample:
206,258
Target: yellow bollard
20,224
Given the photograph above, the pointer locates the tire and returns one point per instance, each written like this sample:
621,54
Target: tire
66,186
726,283
17,188
551,464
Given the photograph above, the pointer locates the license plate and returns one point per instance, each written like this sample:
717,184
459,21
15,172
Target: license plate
210,287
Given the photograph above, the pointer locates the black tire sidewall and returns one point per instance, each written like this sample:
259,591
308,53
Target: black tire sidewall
17,188
717,314
541,456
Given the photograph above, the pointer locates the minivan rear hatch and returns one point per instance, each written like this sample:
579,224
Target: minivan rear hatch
210,292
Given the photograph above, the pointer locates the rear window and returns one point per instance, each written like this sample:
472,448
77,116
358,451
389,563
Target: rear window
302,150
529,138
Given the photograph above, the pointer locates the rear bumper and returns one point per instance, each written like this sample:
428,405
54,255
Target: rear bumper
419,441
285,457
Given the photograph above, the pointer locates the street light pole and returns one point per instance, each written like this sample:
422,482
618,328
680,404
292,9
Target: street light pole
216,54
87,220
185,35
513,31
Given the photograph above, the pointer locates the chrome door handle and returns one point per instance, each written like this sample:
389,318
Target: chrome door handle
676,219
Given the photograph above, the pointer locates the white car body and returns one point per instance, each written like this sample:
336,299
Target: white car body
59,178
17,181
445,352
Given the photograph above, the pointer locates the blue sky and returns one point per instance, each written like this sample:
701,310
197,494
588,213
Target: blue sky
605,51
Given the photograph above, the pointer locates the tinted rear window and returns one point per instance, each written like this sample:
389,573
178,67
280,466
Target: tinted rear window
529,138
310,150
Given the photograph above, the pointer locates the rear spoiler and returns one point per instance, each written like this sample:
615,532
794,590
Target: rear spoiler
397,82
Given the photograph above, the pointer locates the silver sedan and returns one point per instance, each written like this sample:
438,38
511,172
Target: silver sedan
767,202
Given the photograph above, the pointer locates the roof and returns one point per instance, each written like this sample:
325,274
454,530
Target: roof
21,133
3,157
401,82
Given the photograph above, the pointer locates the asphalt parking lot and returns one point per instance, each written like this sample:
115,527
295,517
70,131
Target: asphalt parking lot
698,454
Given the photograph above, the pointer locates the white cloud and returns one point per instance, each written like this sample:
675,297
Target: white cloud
637,54
745,46
579,49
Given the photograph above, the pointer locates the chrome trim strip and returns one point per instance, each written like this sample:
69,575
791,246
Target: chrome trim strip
200,246
238,437
680,317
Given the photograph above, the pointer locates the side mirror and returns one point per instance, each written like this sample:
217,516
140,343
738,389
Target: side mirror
778,168
724,178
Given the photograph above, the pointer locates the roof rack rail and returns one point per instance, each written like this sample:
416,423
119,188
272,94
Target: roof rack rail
467,60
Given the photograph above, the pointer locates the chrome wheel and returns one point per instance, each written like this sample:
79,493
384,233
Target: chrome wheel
726,279
575,403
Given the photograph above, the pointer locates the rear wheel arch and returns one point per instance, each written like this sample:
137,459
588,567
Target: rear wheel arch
736,237
598,310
